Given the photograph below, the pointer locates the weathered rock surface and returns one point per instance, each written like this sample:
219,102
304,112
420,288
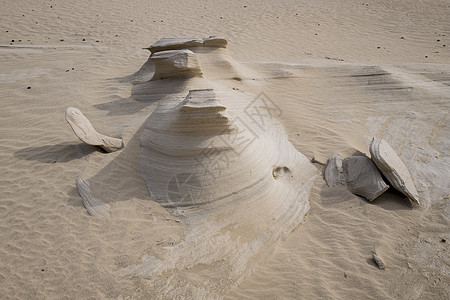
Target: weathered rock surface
363,178
84,130
393,168
177,43
175,63
334,173
215,41
94,206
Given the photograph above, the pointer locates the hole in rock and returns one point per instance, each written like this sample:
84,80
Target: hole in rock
281,173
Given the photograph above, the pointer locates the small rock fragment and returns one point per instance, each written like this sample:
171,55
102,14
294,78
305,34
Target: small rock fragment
334,173
378,261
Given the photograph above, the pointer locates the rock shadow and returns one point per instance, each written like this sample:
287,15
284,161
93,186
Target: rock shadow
59,153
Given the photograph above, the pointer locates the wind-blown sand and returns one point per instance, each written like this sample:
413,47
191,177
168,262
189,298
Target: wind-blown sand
340,73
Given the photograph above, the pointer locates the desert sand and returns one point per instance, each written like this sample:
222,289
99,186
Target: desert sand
337,74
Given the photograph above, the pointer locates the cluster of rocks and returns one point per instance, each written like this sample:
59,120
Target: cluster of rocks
362,175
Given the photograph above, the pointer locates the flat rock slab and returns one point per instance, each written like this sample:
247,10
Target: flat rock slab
178,43
393,168
363,178
175,43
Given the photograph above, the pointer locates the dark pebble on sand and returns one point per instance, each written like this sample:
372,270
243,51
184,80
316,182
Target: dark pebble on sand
378,47
29,87
402,37
97,41
62,40
443,240
426,56
438,40
84,40
12,41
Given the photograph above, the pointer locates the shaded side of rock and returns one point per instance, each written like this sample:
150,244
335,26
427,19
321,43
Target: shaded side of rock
393,168
363,178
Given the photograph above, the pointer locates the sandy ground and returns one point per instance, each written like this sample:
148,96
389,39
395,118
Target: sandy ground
340,72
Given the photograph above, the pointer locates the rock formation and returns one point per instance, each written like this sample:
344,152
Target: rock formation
363,178
175,63
84,130
393,168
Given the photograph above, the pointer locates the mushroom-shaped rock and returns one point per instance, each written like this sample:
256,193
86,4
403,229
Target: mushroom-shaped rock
86,132
393,168
215,41
334,172
175,63
363,177
175,43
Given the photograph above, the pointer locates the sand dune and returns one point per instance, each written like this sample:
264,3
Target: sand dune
339,73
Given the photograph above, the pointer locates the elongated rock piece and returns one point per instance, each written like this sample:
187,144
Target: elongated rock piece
334,173
363,177
378,261
175,63
214,41
178,43
94,206
393,168
86,132
175,43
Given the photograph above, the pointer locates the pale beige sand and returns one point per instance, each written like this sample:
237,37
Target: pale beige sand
335,89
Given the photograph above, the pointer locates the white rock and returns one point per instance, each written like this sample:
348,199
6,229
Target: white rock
363,178
86,132
214,41
333,171
393,168
175,63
